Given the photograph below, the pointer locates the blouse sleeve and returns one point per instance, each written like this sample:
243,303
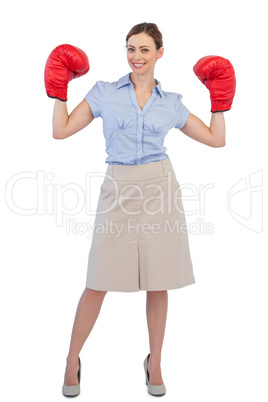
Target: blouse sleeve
182,113
94,98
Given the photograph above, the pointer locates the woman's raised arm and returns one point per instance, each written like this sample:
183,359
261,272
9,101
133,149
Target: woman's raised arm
65,125
218,75
213,136
65,63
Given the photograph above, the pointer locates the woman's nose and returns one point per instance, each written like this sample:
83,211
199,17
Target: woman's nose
137,54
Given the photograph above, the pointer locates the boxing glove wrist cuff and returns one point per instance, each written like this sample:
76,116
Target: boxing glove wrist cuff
220,106
56,97
57,92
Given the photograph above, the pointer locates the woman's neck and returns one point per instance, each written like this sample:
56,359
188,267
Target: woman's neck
143,83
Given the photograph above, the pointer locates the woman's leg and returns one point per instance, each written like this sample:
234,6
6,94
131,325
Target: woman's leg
156,310
86,315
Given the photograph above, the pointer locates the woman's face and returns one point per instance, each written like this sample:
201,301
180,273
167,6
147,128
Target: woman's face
142,53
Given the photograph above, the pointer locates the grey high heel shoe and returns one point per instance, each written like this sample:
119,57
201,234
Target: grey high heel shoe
73,390
155,390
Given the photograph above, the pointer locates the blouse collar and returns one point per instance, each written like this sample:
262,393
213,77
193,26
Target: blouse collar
126,81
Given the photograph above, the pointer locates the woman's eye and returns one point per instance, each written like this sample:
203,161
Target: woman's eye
130,49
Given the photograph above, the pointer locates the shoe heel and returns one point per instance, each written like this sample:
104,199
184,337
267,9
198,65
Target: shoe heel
71,391
155,390
145,364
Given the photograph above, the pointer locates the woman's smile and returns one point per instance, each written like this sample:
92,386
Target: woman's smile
138,65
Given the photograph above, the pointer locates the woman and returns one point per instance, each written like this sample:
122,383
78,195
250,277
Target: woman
140,194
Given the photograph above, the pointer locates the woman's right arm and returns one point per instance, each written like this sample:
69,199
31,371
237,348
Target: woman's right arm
65,125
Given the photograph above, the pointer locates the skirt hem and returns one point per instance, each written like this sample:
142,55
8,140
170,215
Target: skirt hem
124,290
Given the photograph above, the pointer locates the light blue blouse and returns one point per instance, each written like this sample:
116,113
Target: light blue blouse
133,135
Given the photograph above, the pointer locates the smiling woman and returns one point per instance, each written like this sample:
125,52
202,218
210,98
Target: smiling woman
137,115
142,53
144,48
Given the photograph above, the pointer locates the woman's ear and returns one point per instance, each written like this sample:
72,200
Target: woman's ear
160,53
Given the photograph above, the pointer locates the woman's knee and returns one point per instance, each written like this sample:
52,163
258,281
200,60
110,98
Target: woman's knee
156,292
95,293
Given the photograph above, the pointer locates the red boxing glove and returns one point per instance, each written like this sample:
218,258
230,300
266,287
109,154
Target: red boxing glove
64,63
218,75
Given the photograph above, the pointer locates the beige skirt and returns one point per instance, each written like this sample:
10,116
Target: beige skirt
140,240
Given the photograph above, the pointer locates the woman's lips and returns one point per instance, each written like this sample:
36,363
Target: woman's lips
138,65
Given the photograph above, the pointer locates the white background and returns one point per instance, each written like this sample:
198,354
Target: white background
215,347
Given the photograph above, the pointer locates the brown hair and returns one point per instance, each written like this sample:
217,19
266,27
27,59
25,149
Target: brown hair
150,29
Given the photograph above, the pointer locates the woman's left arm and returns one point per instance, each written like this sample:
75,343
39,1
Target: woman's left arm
214,135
